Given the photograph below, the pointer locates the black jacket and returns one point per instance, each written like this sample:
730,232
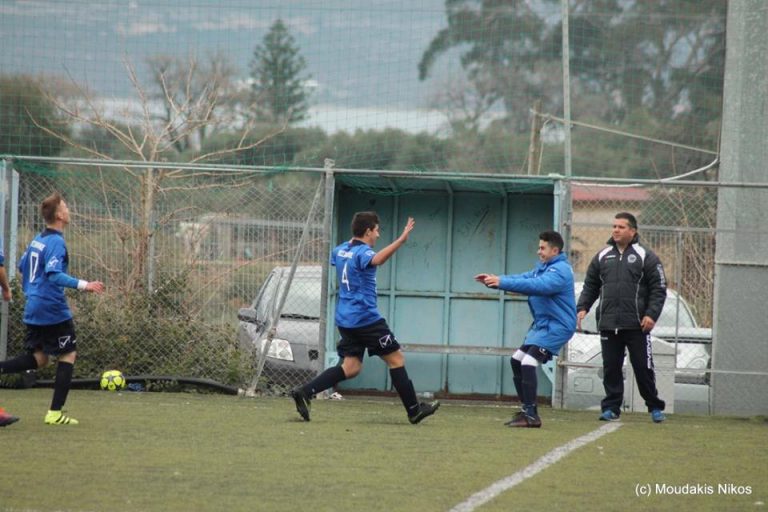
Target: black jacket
630,286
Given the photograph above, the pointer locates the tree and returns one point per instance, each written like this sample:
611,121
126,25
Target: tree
380,150
281,150
658,68
503,48
647,68
26,117
134,218
191,93
464,104
278,91
666,56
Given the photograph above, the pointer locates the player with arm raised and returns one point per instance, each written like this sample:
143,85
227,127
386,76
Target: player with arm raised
50,329
359,322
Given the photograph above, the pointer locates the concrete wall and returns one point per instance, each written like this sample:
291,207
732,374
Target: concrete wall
741,271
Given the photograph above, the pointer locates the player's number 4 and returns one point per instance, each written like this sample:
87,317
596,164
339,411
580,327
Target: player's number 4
344,278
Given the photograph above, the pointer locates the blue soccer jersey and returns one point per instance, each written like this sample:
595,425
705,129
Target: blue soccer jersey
46,255
356,280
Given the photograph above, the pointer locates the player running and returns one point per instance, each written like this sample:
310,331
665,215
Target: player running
359,322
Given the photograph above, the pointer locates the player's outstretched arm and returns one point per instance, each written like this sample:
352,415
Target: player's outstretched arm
489,280
65,280
383,255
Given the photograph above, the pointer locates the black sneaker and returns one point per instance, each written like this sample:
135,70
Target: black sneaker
525,421
425,410
608,415
515,418
303,404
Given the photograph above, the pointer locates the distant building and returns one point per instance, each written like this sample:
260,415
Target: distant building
221,237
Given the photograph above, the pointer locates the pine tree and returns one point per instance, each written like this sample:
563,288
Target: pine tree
278,92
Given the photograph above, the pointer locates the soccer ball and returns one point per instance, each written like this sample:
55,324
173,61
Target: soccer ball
112,380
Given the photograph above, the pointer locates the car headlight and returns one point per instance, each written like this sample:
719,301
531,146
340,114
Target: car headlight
278,349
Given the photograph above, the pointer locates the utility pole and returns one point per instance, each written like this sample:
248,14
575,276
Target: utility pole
534,146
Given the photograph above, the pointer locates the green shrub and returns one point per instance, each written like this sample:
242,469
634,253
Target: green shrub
143,334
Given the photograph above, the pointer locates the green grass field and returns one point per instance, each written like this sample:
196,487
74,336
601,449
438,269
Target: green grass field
190,452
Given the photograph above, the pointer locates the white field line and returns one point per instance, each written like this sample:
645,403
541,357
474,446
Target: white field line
498,487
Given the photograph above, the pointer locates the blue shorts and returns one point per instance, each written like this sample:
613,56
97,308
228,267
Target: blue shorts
377,338
54,340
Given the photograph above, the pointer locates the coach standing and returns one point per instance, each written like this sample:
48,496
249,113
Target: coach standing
629,281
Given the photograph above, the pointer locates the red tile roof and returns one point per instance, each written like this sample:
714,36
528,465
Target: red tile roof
591,192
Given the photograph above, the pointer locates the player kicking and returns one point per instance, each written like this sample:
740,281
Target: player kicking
359,322
50,330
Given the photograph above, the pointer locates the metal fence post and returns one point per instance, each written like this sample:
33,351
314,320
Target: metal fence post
149,225
9,201
4,194
330,185
566,88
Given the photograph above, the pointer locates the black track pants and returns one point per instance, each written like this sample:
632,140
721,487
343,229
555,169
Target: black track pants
638,344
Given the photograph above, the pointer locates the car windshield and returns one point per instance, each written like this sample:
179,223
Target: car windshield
304,296
668,319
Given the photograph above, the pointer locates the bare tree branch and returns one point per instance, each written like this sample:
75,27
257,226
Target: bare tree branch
193,99
240,146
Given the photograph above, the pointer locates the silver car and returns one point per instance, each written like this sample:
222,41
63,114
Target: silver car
293,356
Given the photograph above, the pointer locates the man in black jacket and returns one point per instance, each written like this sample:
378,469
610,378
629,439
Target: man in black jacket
629,281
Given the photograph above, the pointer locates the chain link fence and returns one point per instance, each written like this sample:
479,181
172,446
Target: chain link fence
195,277
678,222
178,264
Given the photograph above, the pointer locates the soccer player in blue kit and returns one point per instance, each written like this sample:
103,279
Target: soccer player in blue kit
50,330
551,299
359,322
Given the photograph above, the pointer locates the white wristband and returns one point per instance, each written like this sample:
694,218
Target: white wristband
81,284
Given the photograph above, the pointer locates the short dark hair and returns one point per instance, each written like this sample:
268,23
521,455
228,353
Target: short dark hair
629,218
363,221
553,238
49,206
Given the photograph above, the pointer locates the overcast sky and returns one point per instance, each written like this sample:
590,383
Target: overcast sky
360,53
